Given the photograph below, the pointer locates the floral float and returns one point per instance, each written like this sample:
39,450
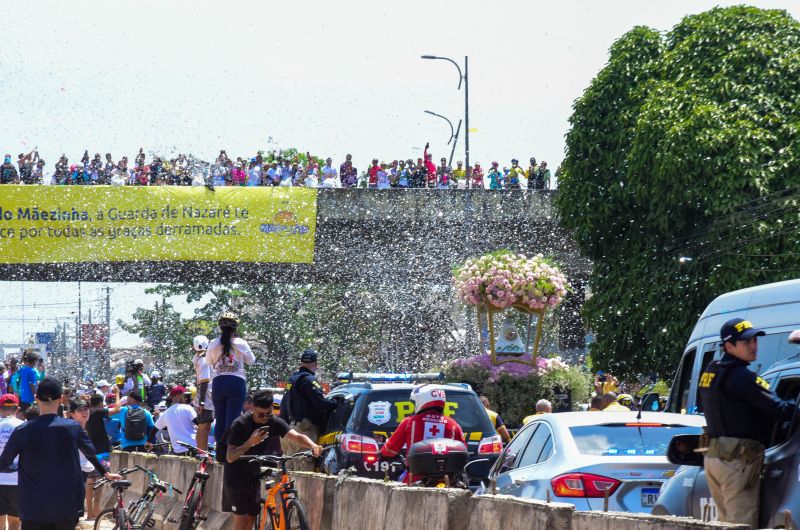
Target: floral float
511,293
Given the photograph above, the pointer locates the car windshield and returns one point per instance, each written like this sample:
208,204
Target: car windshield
627,439
384,410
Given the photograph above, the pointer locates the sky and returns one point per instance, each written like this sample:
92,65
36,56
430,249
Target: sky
329,77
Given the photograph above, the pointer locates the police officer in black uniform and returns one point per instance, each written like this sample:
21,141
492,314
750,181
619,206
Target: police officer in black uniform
304,406
741,413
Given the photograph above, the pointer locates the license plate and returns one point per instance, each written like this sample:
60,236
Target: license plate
649,496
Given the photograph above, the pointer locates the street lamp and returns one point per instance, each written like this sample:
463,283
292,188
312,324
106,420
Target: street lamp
461,77
452,135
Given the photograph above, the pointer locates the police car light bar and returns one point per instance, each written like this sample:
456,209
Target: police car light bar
388,378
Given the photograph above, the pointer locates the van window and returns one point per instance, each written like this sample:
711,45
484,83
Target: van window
788,389
768,351
679,396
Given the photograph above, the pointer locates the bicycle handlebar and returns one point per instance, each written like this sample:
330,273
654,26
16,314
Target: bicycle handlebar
123,472
195,451
274,458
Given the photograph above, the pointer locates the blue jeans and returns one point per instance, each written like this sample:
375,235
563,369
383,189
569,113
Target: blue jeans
228,398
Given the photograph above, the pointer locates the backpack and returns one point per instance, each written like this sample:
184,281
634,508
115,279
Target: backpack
135,424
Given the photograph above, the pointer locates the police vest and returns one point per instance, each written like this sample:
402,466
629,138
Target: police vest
725,414
294,400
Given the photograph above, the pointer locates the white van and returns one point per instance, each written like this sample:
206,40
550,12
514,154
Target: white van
774,307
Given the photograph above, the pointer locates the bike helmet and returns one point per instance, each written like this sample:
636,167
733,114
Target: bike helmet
626,400
229,318
428,396
200,343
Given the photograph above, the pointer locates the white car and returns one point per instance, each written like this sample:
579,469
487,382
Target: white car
580,457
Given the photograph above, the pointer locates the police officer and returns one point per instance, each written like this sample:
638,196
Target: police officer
741,414
304,407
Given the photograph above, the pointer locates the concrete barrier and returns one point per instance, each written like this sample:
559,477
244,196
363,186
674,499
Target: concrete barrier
343,503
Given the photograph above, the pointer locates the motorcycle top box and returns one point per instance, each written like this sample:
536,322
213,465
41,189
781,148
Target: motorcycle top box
437,456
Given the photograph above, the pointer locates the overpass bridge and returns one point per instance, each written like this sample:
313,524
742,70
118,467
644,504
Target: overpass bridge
370,235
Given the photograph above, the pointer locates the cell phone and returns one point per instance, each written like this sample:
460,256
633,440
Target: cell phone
602,379
265,428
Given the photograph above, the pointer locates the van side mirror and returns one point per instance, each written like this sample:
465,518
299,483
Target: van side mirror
478,469
681,450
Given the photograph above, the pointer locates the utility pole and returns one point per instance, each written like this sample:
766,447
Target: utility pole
107,354
91,353
79,334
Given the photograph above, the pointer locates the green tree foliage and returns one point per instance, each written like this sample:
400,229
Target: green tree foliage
358,328
169,338
685,144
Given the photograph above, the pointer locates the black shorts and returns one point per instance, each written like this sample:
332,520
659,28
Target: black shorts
206,416
8,501
240,500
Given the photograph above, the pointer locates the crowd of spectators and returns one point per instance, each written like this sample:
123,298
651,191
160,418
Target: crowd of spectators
274,169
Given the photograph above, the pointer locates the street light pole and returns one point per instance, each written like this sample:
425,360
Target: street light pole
465,78
466,110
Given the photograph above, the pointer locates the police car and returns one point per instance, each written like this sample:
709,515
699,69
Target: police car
371,406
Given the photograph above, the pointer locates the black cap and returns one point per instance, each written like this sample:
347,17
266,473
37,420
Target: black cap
49,389
738,329
75,404
308,356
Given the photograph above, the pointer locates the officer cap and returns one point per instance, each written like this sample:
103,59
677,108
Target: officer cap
308,356
739,329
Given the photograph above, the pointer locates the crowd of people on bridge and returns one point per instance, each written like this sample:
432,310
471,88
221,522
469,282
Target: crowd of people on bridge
274,170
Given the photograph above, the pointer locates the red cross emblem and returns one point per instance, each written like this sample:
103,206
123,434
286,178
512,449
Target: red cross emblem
433,430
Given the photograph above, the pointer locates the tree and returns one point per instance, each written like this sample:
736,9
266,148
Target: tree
383,327
169,339
681,177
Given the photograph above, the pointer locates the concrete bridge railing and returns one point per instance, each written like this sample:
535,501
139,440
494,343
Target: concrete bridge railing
337,503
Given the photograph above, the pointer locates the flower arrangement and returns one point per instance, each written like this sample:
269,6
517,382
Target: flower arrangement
542,366
502,279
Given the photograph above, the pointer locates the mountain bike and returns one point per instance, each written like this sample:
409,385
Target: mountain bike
118,516
282,509
190,513
141,510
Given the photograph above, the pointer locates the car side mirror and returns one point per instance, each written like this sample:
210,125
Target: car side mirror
478,469
681,450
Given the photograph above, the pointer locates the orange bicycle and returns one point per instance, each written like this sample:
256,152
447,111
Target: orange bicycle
281,509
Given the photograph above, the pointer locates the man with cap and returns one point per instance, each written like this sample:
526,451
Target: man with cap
203,402
137,380
156,391
51,491
304,407
741,413
137,428
178,419
9,510
102,388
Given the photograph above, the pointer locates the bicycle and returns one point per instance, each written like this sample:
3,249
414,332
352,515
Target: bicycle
282,509
190,513
139,513
141,510
118,515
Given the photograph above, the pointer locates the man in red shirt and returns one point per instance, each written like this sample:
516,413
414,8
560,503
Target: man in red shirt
430,166
372,174
428,422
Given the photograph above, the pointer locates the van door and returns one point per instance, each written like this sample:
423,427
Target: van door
679,394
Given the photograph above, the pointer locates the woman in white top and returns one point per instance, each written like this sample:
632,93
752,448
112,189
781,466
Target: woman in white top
227,355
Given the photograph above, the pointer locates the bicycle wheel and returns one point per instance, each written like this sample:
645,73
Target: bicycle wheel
190,517
143,512
107,520
296,515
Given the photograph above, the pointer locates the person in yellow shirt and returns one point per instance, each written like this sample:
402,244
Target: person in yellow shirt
460,175
605,383
497,421
610,403
542,407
